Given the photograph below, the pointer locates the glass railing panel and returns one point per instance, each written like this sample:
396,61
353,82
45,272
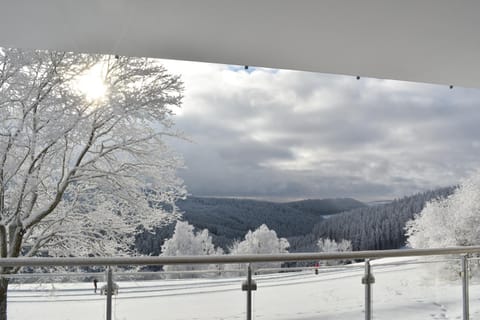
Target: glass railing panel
200,296
474,288
335,292
54,297
417,288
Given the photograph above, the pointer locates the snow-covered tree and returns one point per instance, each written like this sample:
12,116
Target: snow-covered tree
447,222
453,221
186,242
261,241
328,245
82,157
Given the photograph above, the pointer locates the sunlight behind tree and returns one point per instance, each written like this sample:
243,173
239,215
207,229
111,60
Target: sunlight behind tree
91,83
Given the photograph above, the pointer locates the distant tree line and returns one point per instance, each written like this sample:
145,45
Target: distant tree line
369,228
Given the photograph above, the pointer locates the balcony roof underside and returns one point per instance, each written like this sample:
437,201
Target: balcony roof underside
434,41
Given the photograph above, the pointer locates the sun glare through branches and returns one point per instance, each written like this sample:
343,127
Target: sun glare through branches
91,84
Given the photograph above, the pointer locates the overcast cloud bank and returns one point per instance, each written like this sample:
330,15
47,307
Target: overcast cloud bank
281,134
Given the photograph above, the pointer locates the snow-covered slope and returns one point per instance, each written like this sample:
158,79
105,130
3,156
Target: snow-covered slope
403,289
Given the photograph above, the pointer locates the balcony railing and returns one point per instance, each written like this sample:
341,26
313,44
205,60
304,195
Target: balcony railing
460,255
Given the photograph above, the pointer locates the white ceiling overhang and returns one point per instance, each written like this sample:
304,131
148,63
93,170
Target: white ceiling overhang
435,41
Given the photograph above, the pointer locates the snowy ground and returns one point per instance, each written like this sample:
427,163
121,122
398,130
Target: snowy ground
407,291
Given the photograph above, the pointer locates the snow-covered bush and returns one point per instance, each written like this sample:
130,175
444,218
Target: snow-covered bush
452,221
261,241
187,242
328,245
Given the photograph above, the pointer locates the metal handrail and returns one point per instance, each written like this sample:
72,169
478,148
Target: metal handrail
228,259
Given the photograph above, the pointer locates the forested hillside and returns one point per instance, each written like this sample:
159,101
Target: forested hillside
228,219
369,228
326,207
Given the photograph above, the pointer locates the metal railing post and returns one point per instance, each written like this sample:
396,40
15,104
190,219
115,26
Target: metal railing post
249,286
465,297
109,293
249,293
368,279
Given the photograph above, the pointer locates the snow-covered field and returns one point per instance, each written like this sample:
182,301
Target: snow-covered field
407,291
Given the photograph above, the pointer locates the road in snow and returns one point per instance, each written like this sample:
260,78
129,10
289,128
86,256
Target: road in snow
408,291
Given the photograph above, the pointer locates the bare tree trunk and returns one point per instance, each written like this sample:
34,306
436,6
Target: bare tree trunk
3,298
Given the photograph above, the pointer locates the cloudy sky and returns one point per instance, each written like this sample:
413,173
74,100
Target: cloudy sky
281,134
